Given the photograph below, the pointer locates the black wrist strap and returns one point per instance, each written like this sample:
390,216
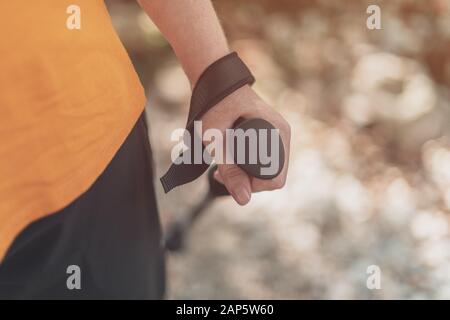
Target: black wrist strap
219,80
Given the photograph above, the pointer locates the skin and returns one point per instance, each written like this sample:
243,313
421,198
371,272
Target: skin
195,34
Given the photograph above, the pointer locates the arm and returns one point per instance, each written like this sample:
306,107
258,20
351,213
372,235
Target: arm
194,32
192,29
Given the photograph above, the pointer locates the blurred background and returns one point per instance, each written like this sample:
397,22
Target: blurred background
369,177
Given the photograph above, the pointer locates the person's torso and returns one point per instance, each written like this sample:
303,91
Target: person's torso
68,98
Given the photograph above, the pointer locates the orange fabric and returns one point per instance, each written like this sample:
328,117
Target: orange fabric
68,99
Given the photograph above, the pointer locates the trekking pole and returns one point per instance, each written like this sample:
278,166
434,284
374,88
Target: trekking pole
176,232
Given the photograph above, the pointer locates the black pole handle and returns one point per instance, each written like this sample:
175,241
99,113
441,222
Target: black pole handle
176,232
252,169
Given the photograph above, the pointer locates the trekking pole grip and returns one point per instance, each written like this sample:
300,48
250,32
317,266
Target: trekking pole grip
257,169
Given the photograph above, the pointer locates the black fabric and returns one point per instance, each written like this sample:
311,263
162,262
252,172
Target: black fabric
112,232
219,80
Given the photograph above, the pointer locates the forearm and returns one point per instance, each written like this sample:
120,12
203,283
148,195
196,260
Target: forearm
192,29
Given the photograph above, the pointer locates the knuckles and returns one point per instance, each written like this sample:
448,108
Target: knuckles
274,184
277,183
231,172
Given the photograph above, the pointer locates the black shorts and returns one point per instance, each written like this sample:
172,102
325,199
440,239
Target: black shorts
111,232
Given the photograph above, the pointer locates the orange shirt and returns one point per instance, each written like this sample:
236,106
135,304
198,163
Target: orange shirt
68,99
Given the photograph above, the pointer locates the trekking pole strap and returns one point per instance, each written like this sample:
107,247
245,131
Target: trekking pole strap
219,80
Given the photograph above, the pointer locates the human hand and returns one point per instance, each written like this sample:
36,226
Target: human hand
245,103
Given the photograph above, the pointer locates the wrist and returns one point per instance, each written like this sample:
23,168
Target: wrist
194,67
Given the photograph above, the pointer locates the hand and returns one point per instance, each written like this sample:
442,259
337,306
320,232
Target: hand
245,103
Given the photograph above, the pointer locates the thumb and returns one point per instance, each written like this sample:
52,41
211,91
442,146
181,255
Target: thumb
237,182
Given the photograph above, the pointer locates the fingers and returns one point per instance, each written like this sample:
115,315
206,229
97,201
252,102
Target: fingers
259,185
236,181
279,181
245,103
218,177
231,175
